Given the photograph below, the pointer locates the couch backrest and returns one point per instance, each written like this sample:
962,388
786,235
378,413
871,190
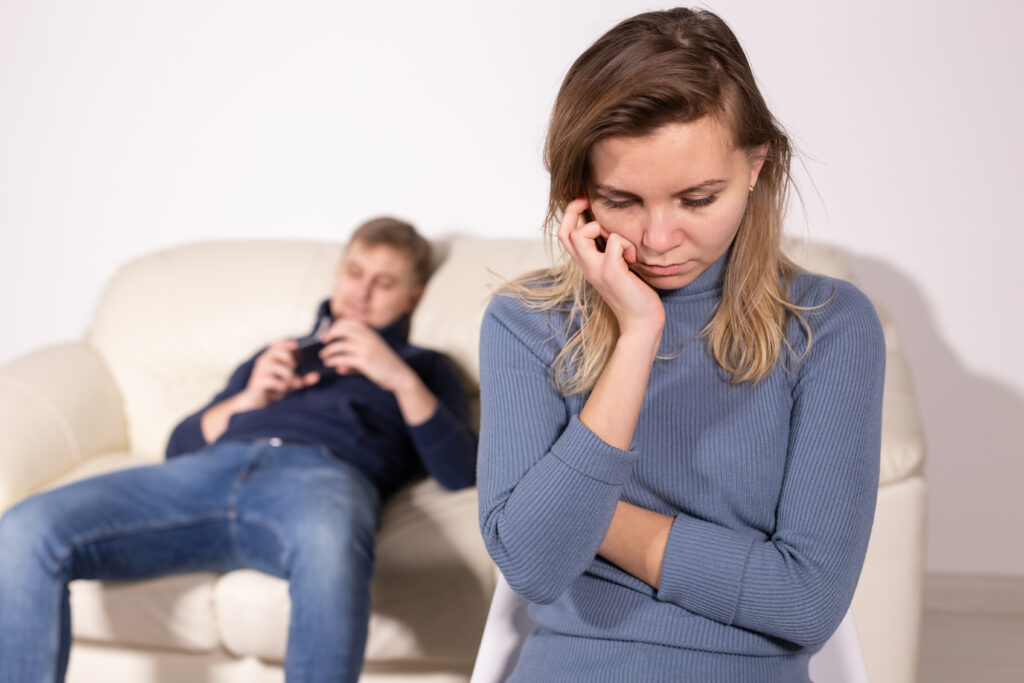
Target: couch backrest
172,325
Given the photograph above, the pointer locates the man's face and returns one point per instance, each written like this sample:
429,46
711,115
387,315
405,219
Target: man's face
375,285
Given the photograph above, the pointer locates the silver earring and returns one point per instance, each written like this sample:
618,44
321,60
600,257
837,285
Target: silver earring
750,187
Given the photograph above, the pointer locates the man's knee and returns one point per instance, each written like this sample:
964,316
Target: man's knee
334,550
328,539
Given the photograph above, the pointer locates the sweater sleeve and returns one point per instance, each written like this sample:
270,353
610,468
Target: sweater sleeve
548,486
188,435
445,442
798,583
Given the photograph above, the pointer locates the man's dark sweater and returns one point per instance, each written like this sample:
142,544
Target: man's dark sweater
359,422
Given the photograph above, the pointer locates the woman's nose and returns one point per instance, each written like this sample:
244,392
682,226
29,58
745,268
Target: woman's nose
663,231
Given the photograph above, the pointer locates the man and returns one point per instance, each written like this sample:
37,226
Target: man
282,472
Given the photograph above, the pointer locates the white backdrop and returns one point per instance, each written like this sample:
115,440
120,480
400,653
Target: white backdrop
127,126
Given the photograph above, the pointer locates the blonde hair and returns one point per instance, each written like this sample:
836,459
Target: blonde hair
657,68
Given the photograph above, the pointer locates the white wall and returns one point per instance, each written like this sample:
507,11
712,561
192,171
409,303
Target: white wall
127,126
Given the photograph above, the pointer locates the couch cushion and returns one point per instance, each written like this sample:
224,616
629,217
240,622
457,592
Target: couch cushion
170,613
430,592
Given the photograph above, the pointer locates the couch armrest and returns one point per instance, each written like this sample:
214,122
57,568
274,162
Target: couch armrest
59,406
903,444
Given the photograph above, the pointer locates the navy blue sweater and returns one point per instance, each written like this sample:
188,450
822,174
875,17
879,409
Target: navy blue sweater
358,421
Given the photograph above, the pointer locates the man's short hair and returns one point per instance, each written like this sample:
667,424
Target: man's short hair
402,236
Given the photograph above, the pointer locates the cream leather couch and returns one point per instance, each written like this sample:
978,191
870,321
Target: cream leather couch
168,330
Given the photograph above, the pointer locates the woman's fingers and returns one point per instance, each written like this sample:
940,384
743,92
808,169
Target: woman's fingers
583,238
628,249
624,249
572,220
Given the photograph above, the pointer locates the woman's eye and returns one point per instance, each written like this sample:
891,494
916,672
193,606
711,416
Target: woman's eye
703,201
617,204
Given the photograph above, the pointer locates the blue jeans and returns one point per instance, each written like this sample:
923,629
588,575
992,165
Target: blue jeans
292,511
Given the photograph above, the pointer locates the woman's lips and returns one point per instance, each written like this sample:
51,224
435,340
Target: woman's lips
657,270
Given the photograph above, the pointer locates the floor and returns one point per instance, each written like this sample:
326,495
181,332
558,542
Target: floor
973,630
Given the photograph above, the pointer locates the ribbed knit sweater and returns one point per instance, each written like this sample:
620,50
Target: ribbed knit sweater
772,488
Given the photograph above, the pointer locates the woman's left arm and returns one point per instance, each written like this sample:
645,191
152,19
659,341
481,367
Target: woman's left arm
798,583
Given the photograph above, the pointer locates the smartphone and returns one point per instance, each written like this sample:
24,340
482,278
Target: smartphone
307,356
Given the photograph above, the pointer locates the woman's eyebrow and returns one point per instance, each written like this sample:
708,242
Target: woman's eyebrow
704,185
608,189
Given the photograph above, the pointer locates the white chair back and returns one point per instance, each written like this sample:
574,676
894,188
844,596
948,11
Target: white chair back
508,624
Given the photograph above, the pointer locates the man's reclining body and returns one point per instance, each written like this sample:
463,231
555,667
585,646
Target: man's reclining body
282,472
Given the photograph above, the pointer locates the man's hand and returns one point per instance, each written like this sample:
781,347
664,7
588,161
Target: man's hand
353,347
273,376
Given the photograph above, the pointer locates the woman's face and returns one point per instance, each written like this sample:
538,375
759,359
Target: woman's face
677,195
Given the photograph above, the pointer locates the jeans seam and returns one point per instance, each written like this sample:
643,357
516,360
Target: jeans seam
69,548
278,533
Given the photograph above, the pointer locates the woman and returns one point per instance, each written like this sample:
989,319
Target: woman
680,429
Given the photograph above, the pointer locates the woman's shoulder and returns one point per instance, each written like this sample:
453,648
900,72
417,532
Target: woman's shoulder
536,323
817,291
836,311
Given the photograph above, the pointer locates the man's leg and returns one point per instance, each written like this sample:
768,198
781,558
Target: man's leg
306,517
132,524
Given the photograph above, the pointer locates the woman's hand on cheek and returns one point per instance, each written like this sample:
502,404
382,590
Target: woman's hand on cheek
635,304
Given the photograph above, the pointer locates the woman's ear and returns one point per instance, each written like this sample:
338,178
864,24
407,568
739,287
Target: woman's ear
756,157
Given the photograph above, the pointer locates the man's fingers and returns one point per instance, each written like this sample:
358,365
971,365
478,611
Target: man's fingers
340,347
277,355
281,371
343,356
346,328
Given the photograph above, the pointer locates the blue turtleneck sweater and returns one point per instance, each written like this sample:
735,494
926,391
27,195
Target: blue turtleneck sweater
358,421
772,488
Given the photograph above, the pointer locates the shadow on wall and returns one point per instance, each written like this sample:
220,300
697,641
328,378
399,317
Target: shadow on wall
974,427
